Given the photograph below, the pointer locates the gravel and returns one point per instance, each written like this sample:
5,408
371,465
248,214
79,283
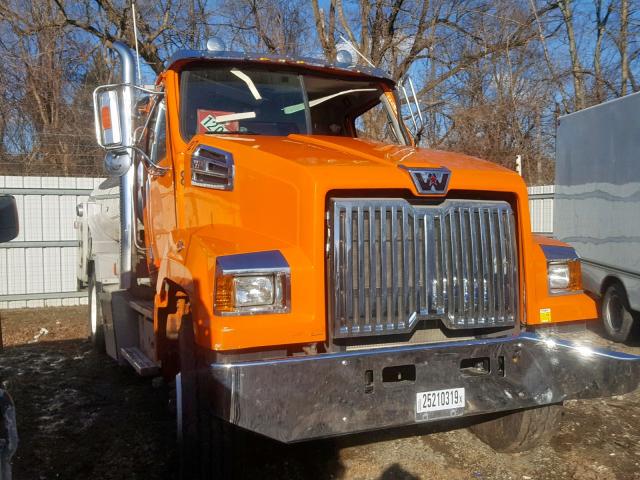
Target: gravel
80,415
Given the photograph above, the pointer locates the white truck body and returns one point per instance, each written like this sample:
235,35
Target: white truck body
597,200
98,231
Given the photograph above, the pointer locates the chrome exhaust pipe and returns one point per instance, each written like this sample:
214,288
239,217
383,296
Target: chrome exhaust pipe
127,224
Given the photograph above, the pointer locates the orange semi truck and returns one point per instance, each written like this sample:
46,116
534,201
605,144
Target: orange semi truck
301,278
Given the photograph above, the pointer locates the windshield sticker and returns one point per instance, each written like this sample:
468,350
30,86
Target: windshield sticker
209,121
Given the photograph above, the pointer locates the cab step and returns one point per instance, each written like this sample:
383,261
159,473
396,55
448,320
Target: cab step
140,362
143,307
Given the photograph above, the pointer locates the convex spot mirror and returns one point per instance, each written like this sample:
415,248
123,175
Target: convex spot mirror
106,106
8,218
117,164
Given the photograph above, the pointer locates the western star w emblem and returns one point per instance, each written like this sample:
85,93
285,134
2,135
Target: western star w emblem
430,181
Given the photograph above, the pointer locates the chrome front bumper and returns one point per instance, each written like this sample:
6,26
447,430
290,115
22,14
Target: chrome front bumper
303,398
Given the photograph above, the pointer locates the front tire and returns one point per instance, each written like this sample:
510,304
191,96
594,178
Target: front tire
209,447
95,321
521,430
617,317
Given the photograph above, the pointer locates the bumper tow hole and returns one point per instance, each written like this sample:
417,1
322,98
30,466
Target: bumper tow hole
399,373
368,381
474,367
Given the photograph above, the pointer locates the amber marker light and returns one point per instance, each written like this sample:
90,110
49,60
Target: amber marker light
224,294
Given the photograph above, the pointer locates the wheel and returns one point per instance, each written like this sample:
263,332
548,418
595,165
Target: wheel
209,447
616,314
521,430
95,321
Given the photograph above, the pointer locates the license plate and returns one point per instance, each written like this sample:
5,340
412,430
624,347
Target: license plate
448,402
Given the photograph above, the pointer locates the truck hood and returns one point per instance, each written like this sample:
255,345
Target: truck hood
279,201
323,150
341,163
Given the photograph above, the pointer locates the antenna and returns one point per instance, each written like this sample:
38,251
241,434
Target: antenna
135,36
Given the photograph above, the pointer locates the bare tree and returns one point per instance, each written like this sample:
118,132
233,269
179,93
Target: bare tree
602,19
265,25
45,127
566,7
491,75
623,46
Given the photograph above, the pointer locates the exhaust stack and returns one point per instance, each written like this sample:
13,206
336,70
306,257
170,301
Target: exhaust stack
127,224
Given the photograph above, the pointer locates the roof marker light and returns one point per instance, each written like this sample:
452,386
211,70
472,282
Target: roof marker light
215,44
344,57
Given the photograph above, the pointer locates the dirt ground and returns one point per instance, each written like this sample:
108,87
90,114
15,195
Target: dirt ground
82,416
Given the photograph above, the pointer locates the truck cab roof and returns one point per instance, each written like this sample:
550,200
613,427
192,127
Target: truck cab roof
181,57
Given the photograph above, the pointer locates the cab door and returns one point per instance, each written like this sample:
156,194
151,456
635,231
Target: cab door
158,188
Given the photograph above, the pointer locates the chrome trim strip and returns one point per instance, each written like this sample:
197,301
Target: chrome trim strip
503,266
475,258
263,262
514,266
383,267
405,236
464,257
485,265
218,180
446,273
557,252
361,277
348,260
373,265
455,257
396,315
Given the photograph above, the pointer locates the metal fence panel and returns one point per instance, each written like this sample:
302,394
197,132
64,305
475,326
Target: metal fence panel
38,268
541,208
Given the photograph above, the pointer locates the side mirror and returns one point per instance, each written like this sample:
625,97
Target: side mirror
108,120
8,218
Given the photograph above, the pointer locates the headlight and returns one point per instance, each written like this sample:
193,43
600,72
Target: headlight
254,290
559,276
252,283
564,276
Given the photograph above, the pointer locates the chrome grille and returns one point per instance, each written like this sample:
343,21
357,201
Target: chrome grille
393,263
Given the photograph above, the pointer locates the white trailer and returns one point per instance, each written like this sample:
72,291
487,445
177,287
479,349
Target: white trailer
597,205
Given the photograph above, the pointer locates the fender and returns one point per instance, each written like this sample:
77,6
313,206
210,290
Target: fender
193,270
569,307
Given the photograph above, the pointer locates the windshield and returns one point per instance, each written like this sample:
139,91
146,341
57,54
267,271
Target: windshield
270,101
